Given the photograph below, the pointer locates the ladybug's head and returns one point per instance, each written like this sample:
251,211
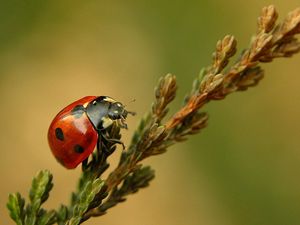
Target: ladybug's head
104,111
118,112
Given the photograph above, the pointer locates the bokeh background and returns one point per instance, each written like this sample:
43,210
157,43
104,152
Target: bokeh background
242,169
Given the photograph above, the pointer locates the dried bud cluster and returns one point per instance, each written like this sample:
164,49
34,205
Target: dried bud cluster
225,49
271,41
165,92
266,21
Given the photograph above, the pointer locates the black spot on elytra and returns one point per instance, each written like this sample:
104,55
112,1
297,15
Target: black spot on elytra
59,134
78,149
77,111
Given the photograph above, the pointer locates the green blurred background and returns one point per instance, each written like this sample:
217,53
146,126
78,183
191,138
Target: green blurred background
242,169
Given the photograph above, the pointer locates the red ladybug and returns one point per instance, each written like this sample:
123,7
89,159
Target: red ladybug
73,133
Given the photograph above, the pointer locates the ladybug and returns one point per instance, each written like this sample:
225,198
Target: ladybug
74,132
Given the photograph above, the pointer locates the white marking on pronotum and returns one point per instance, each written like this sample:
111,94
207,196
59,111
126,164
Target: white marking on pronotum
109,99
106,122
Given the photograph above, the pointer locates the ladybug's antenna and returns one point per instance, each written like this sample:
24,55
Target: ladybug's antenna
131,101
129,112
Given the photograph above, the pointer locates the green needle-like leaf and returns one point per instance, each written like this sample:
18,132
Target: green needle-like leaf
41,186
15,206
47,218
86,196
62,215
39,193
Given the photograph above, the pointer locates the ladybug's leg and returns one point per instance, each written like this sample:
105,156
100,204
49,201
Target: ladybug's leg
121,123
104,149
116,141
84,164
111,140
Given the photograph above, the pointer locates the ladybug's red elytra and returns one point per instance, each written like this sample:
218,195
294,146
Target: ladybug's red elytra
74,132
